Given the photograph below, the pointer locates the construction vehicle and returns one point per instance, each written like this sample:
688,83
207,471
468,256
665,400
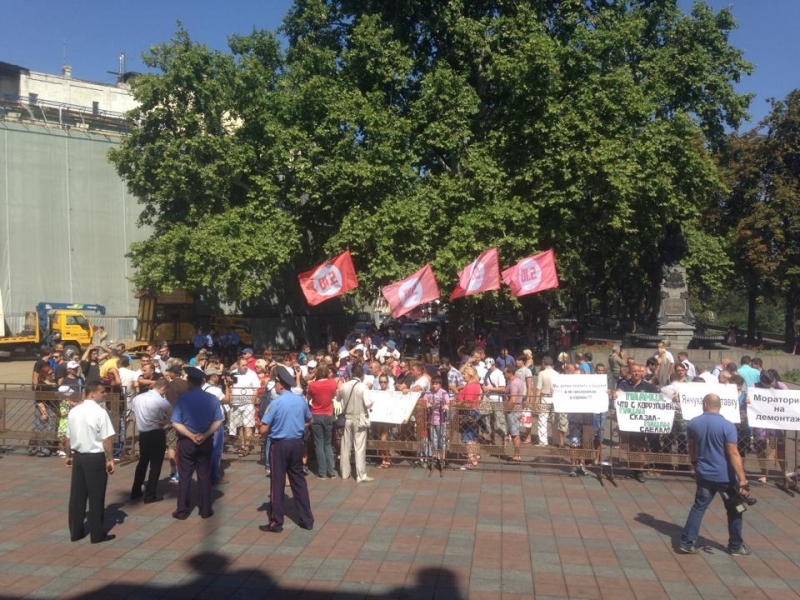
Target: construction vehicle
50,323
172,318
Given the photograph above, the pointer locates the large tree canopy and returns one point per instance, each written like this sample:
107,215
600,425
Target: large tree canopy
428,130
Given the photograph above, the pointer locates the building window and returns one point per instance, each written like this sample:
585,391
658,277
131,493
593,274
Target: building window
95,108
33,99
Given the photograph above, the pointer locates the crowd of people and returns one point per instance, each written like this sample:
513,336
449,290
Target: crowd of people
191,411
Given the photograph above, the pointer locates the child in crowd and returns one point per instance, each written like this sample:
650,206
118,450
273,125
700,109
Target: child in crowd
438,402
66,402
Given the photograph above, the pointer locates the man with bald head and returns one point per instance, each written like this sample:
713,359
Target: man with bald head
718,468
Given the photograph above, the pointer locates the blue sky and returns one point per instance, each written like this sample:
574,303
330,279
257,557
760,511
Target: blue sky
94,32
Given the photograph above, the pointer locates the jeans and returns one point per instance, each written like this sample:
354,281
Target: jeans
322,428
706,490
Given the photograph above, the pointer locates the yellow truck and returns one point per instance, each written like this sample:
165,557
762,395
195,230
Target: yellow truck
171,318
50,323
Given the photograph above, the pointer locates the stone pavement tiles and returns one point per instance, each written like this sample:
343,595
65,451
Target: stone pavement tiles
511,533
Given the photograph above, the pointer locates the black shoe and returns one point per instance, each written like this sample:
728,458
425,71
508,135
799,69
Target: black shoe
305,526
639,476
154,499
270,528
180,516
687,549
106,538
208,515
306,471
137,496
742,551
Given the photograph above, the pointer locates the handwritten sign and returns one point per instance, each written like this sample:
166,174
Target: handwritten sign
644,413
773,409
580,394
391,407
691,397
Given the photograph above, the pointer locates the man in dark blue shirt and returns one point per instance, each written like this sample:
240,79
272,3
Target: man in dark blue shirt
196,416
284,422
718,468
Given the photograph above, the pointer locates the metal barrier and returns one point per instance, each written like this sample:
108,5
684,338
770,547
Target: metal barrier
22,425
767,454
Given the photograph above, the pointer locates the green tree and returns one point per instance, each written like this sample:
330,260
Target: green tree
428,130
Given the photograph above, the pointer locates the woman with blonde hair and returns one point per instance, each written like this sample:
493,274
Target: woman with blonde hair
469,397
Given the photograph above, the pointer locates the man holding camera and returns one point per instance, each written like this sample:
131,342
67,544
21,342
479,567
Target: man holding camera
718,468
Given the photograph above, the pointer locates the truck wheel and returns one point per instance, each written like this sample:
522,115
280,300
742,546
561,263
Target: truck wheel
71,350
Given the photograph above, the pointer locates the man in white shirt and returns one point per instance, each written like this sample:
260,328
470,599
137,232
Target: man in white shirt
243,411
691,371
90,454
494,386
151,411
544,398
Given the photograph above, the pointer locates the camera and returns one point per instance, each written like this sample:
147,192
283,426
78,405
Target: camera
734,498
229,377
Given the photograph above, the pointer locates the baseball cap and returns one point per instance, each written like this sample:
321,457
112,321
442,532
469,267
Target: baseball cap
212,371
247,351
73,364
66,390
312,364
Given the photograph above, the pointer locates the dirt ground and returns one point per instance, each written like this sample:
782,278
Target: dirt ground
16,371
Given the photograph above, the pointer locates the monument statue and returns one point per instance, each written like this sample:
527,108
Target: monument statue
675,319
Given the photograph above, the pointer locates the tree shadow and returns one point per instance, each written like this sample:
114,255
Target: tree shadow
674,531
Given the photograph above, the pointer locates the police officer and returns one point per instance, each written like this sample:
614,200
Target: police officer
196,416
284,423
90,454
714,452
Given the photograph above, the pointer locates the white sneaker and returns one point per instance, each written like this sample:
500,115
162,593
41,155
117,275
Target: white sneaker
61,453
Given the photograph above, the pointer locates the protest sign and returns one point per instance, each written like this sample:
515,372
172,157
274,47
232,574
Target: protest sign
644,413
580,394
773,409
391,407
691,398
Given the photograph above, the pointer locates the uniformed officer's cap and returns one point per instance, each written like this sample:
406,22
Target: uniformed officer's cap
286,377
194,373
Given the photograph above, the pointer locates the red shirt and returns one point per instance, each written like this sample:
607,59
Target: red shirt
470,394
321,394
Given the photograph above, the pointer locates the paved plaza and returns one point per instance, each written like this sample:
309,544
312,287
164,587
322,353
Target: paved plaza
515,532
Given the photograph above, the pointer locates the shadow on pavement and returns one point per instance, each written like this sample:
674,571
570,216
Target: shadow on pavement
673,530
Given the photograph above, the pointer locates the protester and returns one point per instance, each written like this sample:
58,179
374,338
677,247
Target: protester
320,394
352,395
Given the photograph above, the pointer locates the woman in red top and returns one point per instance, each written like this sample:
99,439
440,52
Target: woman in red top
469,397
320,394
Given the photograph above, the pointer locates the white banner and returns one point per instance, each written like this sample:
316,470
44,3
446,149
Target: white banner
644,413
691,398
580,393
773,409
391,407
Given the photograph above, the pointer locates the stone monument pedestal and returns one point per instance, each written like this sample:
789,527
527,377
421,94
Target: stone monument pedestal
677,334
675,319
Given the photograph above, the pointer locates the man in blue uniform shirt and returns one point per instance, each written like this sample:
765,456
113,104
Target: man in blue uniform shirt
196,416
718,468
284,422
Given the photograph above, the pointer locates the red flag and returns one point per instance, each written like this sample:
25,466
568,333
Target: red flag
328,280
533,274
408,293
481,275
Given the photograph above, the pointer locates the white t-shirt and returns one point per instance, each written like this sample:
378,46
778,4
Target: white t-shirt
495,378
88,424
423,383
523,373
243,391
128,380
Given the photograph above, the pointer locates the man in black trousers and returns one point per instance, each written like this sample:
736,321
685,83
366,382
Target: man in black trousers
90,454
151,411
285,421
197,415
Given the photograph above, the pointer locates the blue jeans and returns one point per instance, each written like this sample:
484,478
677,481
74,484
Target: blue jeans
216,456
706,490
322,428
